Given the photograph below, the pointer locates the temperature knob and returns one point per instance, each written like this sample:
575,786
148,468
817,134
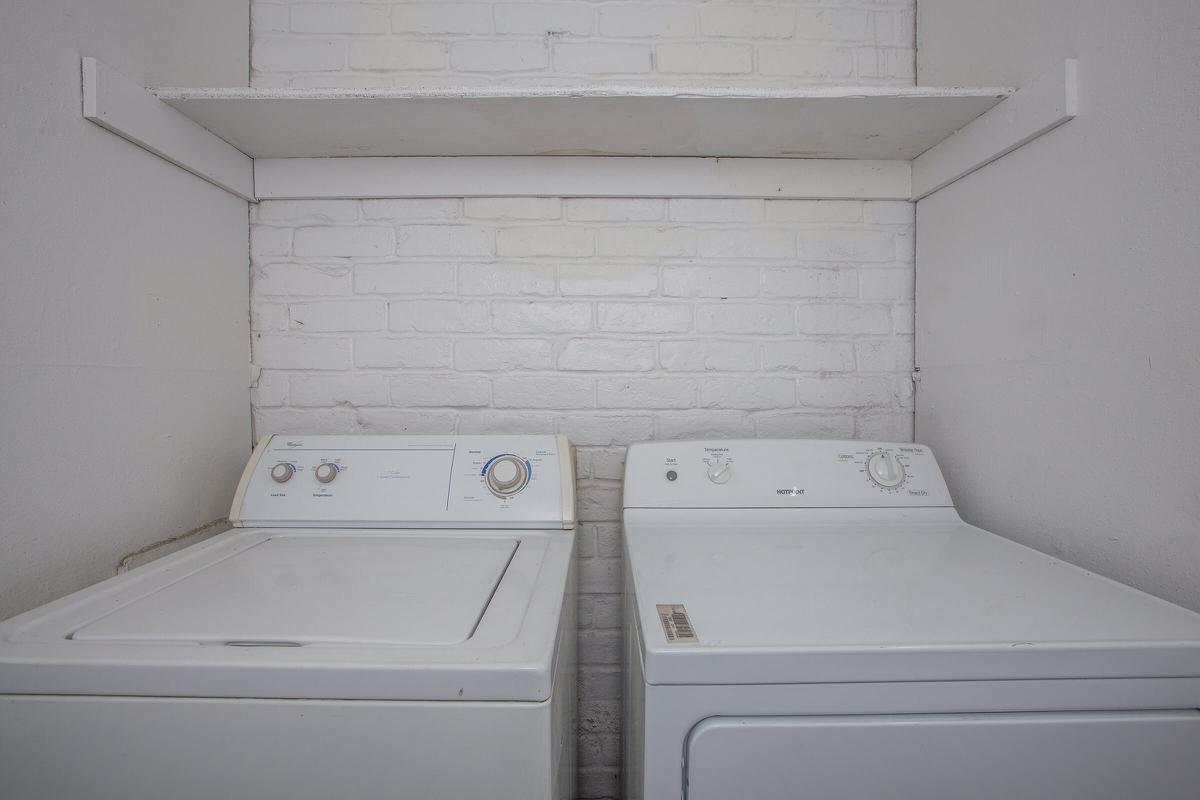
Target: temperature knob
282,472
886,470
506,475
327,472
720,471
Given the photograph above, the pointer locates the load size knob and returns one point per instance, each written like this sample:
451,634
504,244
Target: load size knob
506,475
282,472
886,470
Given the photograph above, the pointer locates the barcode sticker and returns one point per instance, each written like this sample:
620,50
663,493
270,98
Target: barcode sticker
676,624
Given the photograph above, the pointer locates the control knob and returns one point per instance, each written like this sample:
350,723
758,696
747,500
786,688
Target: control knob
282,472
886,470
506,475
720,471
327,472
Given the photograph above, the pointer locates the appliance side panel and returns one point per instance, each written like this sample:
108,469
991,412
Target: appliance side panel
239,496
634,701
1056,292
565,698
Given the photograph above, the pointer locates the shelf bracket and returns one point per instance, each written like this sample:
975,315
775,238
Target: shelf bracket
1031,111
120,105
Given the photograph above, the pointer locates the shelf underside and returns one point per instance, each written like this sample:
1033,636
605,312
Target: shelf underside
825,123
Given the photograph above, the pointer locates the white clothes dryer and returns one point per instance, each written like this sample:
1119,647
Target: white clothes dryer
392,617
812,619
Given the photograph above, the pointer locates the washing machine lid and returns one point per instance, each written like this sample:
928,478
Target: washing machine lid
310,613
723,600
289,590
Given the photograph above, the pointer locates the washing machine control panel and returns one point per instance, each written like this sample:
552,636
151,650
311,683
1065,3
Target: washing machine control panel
408,481
782,473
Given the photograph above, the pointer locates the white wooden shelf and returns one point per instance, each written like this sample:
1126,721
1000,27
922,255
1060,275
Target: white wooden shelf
591,141
846,123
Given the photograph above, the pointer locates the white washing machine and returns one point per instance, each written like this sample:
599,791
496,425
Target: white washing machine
814,620
392,617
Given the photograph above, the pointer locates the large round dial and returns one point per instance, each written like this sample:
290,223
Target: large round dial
506,475
886,470
282,472
720,471
327,472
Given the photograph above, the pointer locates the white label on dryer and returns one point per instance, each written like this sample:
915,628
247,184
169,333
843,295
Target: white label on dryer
676,624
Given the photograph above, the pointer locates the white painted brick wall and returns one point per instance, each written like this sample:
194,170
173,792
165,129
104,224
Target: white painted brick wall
702,42
610,321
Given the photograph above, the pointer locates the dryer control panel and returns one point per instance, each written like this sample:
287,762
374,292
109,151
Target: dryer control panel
408,481
782,473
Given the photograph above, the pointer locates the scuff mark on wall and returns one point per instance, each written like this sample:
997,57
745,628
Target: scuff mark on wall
156,550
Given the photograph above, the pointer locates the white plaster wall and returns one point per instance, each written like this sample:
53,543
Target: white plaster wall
386,43
1058,324
123,295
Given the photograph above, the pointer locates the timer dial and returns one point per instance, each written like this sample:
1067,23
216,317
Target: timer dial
327,472
282,472
506,475
886,470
